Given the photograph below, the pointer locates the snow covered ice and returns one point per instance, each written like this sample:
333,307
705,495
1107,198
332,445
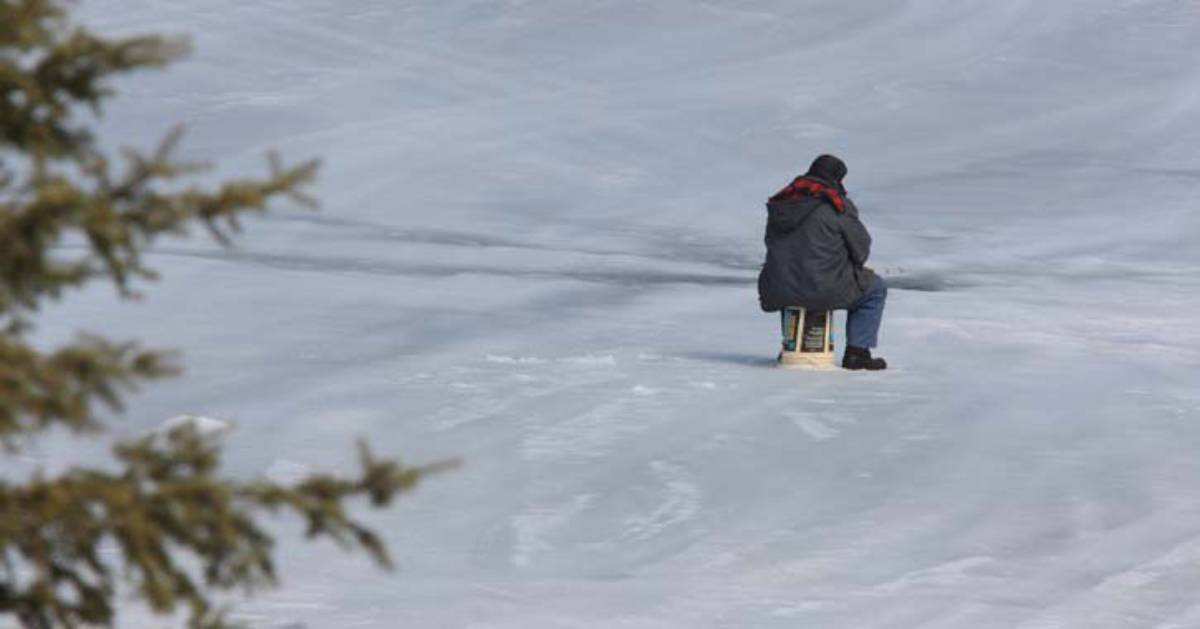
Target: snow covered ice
541,224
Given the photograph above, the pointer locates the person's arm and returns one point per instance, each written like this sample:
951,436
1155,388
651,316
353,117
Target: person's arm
854,233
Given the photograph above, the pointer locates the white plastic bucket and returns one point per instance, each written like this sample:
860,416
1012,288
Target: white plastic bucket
807,339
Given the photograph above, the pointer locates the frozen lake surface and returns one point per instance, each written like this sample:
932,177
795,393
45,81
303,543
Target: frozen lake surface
540,230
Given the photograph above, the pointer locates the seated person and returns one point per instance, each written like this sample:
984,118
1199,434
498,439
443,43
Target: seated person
816,254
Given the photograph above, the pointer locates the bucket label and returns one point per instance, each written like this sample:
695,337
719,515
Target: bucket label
813,341
791,329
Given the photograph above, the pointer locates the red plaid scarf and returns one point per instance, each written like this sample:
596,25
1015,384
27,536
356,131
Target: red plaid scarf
803,187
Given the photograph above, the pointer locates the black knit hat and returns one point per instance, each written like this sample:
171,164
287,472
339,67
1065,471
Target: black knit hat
829,169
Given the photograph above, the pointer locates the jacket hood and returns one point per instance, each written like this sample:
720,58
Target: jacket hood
785,215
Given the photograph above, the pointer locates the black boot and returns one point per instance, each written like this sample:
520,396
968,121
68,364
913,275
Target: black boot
857,358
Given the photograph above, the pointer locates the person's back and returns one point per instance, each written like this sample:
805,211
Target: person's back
817,249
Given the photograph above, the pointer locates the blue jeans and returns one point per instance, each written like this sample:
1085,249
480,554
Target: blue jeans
865,315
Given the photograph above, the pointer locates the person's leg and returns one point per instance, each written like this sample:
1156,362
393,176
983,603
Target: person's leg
864,317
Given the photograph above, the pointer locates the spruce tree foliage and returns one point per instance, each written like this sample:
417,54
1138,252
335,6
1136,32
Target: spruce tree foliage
166,524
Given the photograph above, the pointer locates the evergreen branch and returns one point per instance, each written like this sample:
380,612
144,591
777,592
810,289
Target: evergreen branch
167,503
38,391
27,24
119,219
47,68
177,530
